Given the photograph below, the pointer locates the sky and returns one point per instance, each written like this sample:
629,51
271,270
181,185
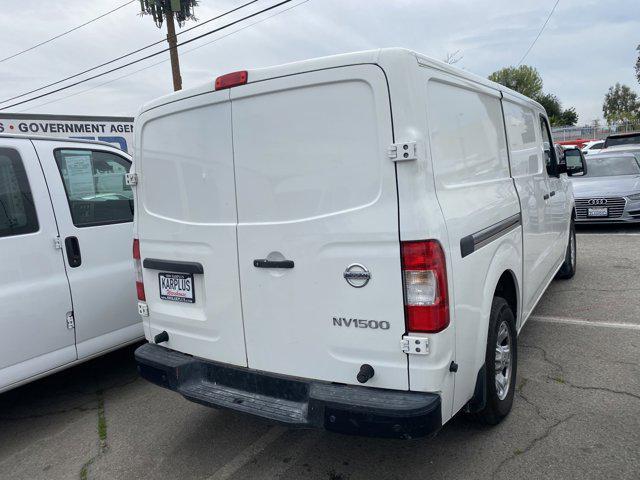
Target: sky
587,46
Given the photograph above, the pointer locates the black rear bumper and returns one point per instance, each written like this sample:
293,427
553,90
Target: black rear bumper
292,401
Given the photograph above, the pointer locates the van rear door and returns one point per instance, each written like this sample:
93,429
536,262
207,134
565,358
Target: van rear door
316,194
187,225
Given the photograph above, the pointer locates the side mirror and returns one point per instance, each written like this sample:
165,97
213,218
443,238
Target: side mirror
574,162
562,168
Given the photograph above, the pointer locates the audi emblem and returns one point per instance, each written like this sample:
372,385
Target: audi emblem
597,201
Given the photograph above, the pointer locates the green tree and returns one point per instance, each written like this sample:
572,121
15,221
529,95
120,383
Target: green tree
620,104
523,79
557,116
161,10
552,105
527,81
569,117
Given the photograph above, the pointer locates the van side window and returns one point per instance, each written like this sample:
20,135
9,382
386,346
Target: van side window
523,140
94,182
467,135
17,210
549,149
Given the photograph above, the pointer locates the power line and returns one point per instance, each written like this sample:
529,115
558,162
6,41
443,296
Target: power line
75,75
163,61
147,56
539,33
65,33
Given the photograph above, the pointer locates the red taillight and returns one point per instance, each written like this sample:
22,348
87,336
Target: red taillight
232,80
136,249
424,273
137,263
140,291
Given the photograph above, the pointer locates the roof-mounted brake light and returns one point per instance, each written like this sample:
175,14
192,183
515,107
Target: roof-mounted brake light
231,80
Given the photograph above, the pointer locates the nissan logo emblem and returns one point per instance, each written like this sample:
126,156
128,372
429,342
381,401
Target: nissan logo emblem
597,201
357,275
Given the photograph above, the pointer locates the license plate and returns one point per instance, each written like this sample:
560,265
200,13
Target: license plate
177,287
598,212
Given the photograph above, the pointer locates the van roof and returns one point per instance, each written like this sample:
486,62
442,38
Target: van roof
379,56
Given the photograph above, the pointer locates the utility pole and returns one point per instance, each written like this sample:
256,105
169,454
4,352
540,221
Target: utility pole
173,52
172,11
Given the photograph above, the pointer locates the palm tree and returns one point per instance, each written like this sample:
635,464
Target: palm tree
180,10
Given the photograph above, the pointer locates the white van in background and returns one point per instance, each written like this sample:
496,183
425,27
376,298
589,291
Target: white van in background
65,240
117,131
351,242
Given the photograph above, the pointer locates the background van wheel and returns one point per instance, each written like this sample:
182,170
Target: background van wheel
501,363
568,269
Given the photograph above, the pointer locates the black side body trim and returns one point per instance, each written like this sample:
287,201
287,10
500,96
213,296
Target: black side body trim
173,265
292,401
475,241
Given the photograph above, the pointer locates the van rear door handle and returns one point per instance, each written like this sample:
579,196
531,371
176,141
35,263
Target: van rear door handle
546,196
73,251
264,263
552,193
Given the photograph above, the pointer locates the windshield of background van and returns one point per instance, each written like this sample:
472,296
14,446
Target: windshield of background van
612,166
630,140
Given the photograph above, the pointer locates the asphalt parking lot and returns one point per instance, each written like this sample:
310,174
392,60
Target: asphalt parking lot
576,414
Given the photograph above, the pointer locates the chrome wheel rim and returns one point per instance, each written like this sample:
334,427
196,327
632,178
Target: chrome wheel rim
503,360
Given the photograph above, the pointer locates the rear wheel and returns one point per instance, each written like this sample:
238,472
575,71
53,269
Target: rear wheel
501,363
568,269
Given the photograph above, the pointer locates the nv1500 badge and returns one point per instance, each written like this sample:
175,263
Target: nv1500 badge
360,323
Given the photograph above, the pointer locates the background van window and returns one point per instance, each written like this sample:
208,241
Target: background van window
95,185
17,210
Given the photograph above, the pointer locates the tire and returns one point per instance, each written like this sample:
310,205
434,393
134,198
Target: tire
568,269
499,400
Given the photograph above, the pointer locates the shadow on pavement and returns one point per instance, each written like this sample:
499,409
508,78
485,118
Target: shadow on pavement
608,228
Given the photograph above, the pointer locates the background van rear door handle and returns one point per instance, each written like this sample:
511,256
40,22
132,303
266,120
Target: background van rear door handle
73,251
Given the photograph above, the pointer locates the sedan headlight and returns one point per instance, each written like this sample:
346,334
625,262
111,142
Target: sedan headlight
635,196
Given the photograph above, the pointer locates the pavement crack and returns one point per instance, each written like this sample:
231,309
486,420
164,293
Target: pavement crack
545,356
587,289
79,408
102,437
622,362
540,438
537,408
562,380
601,389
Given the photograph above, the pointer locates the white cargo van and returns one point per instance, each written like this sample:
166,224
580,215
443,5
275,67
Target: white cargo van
350,242
66,218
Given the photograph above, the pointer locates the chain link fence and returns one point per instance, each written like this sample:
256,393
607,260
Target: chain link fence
563,134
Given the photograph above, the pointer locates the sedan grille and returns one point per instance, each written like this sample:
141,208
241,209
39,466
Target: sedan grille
614,204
